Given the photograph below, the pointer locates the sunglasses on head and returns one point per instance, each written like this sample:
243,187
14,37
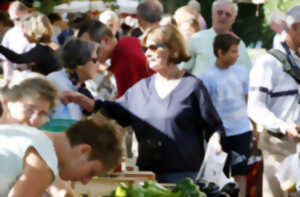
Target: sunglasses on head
221,12
153,47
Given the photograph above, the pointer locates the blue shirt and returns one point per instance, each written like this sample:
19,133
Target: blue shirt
227,88
170,130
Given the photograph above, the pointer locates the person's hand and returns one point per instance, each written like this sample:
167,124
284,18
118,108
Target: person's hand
293,132
78,98
215,141
67,97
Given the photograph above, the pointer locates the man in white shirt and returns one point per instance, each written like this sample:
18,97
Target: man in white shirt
273,103
14,38
200,45
276,22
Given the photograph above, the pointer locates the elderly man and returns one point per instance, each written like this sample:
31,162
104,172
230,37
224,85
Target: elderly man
14,38
200,45
276,22
111,20
274,104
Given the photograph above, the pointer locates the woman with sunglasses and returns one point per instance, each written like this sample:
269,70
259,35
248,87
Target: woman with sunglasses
168,111
79,60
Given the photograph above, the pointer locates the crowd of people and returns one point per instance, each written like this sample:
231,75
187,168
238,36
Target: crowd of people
179,86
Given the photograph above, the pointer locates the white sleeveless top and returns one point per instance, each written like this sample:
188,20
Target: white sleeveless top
15,140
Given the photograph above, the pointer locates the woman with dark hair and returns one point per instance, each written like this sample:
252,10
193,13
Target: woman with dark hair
79,64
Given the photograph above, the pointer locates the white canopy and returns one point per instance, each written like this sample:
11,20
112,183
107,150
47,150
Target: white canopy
126,6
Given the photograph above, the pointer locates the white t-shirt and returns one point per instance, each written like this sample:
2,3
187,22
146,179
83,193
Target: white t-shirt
15,140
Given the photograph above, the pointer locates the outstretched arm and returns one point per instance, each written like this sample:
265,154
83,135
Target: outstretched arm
14,57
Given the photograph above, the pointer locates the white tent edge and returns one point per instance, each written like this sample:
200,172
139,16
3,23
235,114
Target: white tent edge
126,6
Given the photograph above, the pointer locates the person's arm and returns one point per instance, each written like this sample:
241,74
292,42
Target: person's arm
35,179
111,109
23,58
211,119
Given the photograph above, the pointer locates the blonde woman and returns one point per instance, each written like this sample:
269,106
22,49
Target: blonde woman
187,21
41,58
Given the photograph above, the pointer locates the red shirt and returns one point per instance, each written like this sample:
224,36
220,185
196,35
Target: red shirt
128,63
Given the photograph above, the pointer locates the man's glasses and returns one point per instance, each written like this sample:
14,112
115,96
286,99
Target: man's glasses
153,47
221,12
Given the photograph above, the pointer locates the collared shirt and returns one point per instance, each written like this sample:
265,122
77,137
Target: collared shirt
71,111
278,38
273,99
200,47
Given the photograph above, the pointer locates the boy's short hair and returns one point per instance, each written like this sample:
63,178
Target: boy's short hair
224,42
103,135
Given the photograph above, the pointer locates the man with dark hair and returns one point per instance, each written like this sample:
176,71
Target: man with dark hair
30,157
149,13
128,62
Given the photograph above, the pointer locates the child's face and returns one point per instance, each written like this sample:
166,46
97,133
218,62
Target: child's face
229,58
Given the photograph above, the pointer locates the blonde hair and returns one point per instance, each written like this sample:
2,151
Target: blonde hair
29,85
171,38
37,28
185,13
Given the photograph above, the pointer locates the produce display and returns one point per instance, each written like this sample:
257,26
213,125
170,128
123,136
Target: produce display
186,188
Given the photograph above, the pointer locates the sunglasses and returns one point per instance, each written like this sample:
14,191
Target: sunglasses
153,47
221,12
94,60
17,19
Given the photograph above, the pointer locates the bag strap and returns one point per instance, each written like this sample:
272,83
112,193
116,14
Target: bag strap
280,56
287,66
